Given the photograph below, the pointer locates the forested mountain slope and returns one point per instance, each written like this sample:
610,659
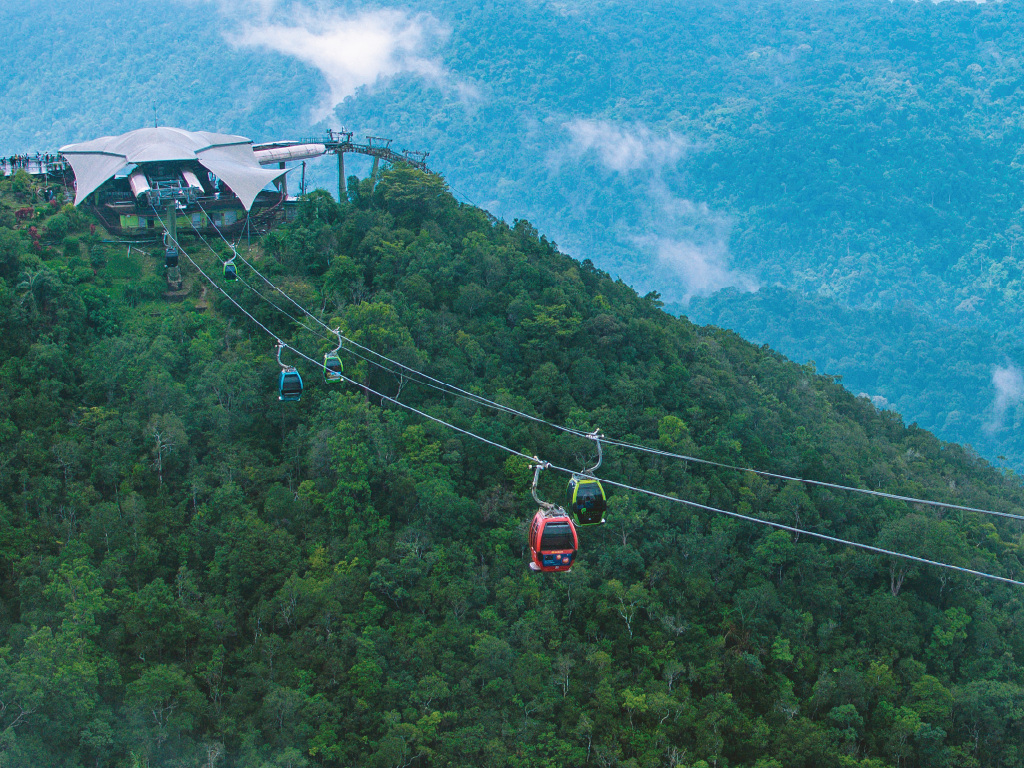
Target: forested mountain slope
194,573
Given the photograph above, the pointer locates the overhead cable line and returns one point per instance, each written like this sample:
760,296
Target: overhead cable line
820,483
804,532
441,385
251,288
214,284
625,486
480,399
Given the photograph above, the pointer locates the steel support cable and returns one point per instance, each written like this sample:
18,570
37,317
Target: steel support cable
290,316
693,459
214,284
251,288
625,486
452,389
263,277
697,505
298,322
441,385
317,363
803,532
819,483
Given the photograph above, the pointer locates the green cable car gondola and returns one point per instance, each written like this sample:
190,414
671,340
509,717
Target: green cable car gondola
230,270
332,363
585,498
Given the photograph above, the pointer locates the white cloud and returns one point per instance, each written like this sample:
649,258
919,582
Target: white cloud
686,241
349,50
686,268
626,148
1009,385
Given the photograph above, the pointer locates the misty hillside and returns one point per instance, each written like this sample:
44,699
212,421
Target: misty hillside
194,573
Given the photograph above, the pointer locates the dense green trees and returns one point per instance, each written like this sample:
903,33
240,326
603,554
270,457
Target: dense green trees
194,573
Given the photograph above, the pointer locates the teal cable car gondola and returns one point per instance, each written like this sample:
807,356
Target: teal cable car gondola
290,383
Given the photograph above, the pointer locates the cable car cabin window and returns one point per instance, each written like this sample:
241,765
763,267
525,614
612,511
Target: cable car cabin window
556,536
588,496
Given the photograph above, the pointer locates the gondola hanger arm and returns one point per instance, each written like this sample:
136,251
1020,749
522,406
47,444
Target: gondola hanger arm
537,467
596,437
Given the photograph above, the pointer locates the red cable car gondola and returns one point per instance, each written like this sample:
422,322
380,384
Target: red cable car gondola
553,541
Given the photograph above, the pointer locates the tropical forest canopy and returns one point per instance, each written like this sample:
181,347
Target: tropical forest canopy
194,573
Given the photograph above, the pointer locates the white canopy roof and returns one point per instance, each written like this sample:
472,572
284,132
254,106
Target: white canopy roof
229,157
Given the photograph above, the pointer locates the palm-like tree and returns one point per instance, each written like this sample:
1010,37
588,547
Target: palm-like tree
36,286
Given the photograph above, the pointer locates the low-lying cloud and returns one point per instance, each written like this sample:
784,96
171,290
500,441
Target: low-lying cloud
1008,382
686,241
626,148
350,50
700,269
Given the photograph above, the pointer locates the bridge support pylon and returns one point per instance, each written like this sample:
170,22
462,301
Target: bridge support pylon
342,182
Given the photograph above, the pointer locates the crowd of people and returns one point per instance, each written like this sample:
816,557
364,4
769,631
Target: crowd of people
40,162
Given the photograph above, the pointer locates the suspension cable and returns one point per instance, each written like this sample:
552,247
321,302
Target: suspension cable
819,483
454,390
625,486
442,386
211,281
250,287
804,532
